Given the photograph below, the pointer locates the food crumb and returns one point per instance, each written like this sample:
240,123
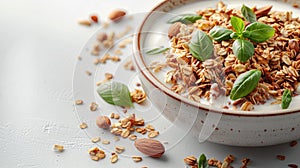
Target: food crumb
83,125
293,165
88,73
79,102
95,139
293,143
58,148
245,162
84,22
295,5
280,157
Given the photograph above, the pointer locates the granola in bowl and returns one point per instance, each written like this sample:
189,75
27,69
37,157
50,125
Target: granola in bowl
200,74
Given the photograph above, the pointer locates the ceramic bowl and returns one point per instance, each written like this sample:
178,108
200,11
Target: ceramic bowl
230,127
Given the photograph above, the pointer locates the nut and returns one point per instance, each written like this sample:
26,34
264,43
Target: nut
190,160
263,11
150,147
174,29
103,122
116,15
294,45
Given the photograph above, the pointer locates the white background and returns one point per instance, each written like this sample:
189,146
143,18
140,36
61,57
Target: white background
39,43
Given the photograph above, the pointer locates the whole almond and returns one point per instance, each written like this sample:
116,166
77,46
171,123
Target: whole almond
263,11
116,15
174,29
103,122
294,45
150,147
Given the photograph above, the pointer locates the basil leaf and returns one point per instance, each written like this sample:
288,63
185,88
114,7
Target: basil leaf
259,32
185,18
237,24
115,93
201,46
202,163
245,84
243,49
286,99
157,51
234,35
248,14
220,33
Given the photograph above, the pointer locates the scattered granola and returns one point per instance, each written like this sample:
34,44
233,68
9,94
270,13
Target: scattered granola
293,143
93,106
293,165
276,58
96,154
114,158
138,96
85,22
119,149
96,139
137,158
280,157
105,142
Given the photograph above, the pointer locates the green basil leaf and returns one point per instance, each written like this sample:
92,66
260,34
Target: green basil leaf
157,51
201,46
243,49
286,99
185,18
237,24
202,163
259,32
220,33
115,93
234,35
245,84
248,14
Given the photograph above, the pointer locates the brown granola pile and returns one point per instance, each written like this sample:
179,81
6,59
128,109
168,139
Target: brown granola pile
278,58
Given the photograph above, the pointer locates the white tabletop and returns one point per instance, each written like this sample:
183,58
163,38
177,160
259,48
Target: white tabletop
40,42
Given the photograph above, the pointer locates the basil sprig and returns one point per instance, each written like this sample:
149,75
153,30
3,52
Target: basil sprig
185,18
257,32
219,33
115,93
286,99
157,50
248,14
243,49
201,46
245,84
202,163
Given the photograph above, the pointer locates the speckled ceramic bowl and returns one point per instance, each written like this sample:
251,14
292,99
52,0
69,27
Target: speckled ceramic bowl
238,128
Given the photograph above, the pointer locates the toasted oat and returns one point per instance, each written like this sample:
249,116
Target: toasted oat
114,158
132,137
105,142
119,149
125,133
129,65
245,162
85,22
83,125
93,106
153,134
96,154
78,102
138,96
280,157
293,143
96,139
58,148
116,138
190,160
137,158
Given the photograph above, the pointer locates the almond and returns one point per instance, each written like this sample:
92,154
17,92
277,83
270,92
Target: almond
103,122
263,11
294,45
150,147
174,29
116,15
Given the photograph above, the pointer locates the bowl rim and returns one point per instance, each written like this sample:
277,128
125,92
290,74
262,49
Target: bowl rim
145,71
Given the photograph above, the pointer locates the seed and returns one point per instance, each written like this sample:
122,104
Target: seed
293,165
58,148
83,125
137,158
293,143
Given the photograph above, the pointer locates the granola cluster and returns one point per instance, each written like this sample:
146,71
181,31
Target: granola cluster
278,59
